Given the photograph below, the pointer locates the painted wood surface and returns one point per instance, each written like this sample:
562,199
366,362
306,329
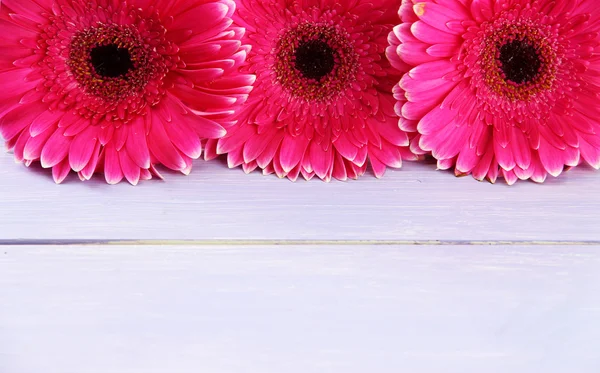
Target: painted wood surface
298,309
416,203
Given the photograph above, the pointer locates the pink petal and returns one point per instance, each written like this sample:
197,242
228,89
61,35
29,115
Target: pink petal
210,149
249,167
482,168
33,147
554,160
18,119
91,166
129,168
235,158
120,137
60,171
388,154
20,146
256,144
82,148
590,154
346,148
56,149
510,177
339,168
112,166
377,166
161,147
268,154
520,148
137,146
44,121
106,134
184,138
321,160
291,151
504,155
236,138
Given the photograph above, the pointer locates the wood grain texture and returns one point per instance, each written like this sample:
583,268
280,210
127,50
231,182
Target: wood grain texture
415,203
91,309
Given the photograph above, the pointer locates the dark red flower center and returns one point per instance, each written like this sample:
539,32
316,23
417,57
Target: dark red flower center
103,70
516,59
314,59
315,62
110,61
519,60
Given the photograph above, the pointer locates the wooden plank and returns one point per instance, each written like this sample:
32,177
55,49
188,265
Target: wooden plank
416,203
418,309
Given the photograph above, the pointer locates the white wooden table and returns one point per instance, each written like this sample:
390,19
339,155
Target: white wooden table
224,272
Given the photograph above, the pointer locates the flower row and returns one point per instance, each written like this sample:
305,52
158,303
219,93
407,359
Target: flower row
307,88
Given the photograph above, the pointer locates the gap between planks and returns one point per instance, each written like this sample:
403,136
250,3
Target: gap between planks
267,242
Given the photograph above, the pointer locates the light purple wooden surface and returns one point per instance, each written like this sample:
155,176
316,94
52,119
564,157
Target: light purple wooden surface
218,309
217,304
215,203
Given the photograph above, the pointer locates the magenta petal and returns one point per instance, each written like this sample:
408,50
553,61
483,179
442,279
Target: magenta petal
392,133
106,134
120,137
20,146
239,135
504,155
339,168
347,149
551,158
130,170
112,166
137,146
204,127
520,148
162,148
56,149
291,152
389,154
321,160
210,149
590,154
235,158
509,176
256,144
82,147
184,138
33,147
60,171
269,152
18,119
377,166
249,167
87,172
467,159
44,121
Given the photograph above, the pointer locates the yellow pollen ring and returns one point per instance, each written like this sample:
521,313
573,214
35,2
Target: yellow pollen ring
419,9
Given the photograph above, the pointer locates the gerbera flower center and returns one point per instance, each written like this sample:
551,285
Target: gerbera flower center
519,61
315,62
314,59
110,61
514,59
107,71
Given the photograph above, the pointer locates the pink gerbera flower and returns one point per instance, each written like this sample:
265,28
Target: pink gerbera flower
506,87
322,102
117,85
